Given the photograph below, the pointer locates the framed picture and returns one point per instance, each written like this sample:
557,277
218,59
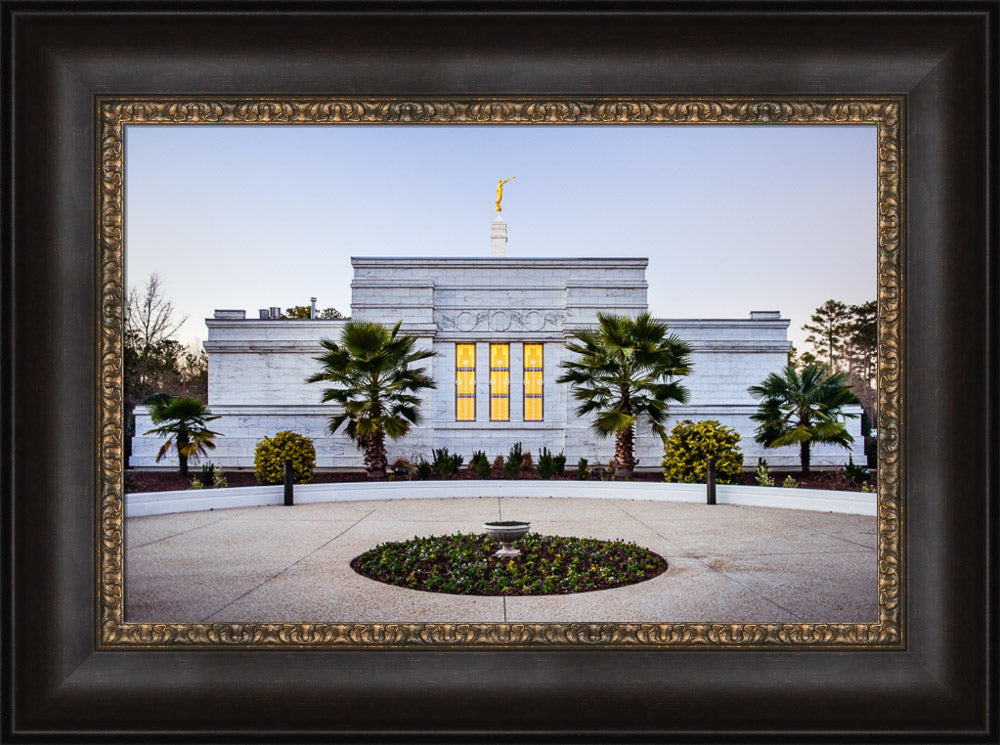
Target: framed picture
843,153
76,662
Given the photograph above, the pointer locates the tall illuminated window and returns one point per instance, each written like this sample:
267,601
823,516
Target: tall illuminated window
465,382
533,369
500,382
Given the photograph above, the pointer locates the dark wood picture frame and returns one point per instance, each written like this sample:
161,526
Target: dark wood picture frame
117,114
59,58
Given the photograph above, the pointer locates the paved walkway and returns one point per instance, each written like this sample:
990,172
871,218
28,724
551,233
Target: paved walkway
726,563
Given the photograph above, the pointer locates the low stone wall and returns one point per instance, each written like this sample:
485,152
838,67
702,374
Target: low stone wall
162,503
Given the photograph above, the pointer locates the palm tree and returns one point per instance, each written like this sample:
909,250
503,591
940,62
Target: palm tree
183,421
802,408
375,385
624,369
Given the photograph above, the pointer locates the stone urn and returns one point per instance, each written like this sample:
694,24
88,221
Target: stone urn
508,532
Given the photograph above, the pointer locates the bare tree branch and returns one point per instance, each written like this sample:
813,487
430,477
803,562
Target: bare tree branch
150,316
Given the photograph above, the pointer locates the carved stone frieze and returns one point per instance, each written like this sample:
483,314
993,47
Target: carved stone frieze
886,113
500,320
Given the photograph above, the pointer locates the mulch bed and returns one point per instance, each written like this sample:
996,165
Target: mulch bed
150,481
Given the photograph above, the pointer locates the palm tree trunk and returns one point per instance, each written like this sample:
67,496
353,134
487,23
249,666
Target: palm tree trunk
375,457
804,456
624,455
182,442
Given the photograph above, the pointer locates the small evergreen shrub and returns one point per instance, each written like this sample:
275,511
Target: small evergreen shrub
763,475
512,468
551,465
546,464
423,470
689,445
582,469
789,482
211,478
608,474
498,469
272,452
445,465
480,465
559,461
856,475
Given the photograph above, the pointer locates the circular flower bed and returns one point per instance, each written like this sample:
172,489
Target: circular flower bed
464,564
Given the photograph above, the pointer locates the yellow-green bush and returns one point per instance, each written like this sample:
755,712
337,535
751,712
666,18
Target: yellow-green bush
690,444
272,452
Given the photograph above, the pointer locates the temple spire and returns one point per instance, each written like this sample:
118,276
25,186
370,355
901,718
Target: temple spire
498,236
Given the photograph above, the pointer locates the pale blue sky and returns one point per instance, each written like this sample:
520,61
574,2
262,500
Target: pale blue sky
733,218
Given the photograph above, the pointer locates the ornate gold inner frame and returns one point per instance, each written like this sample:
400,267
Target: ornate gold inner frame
114,113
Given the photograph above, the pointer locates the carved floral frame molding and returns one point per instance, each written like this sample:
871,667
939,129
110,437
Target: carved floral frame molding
113,114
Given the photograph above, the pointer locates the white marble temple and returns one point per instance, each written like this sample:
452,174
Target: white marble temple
258,367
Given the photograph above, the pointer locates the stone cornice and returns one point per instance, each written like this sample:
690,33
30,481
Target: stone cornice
494,262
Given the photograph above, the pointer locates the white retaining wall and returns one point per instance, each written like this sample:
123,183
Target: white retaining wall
161,503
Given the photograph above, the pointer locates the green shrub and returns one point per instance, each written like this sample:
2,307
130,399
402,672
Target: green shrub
211,478
549,464
582,469
689,445
763,475
480,465
559,461
789,482
445,465
856,475
423,470
546,466
512,468
219,480
272,452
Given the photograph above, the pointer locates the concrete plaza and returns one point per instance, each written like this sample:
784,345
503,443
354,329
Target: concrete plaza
726,563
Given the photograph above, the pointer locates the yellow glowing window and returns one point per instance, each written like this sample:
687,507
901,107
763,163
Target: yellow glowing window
465,382
533,369
500,382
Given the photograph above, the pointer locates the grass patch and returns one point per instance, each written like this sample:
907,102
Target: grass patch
464,564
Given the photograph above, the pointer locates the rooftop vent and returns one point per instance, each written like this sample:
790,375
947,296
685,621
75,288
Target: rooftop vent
231,315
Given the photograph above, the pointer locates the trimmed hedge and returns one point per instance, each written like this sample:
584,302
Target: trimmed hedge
690,444
272,452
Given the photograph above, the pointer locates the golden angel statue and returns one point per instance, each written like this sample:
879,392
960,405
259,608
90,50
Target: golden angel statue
500,184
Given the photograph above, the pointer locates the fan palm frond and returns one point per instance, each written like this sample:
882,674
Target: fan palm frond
623,370
373,378
803,408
